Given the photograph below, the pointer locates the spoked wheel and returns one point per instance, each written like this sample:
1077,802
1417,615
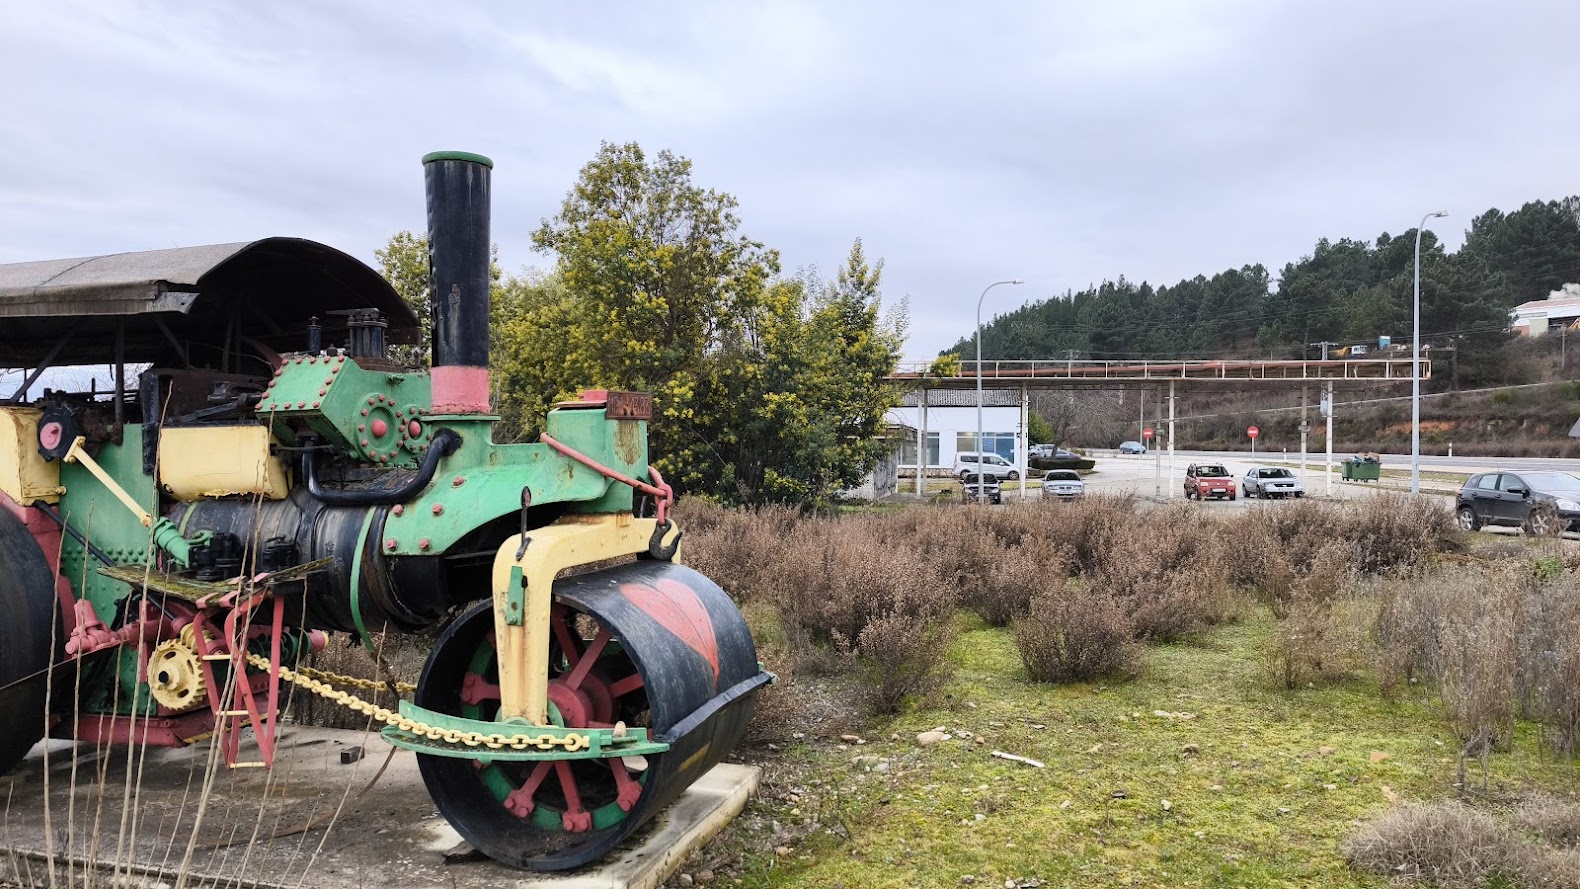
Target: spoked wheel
523,811
649,644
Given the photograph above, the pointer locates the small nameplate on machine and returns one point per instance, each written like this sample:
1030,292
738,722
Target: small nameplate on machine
629,406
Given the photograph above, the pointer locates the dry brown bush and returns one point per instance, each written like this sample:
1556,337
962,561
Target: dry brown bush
1453,846
1407,632
1479,614
1554,820
903,655
1074,635
1548,678
1397,531
1169,573
1322,639
740,549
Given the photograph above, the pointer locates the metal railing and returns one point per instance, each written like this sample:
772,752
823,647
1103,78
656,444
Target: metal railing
1349,369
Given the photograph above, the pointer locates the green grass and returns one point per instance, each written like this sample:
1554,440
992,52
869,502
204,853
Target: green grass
1256,803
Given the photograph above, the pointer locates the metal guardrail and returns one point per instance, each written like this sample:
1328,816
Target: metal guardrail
1353,369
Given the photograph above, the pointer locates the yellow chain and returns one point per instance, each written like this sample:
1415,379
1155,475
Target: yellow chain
571,742
353,681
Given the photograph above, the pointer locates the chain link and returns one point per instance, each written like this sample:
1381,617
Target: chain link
341,679
571,742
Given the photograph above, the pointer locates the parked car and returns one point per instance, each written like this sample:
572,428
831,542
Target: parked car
1271,481
971,485
1203,480
1065,484
1132,447
970,463
1041,452
1538,502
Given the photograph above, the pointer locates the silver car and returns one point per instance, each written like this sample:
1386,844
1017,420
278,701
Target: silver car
1065,484
1271,481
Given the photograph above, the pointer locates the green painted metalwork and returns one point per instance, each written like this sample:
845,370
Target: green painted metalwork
515,598
603,743
356,582
369,414
432,156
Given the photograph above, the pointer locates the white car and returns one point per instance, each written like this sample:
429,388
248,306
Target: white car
1271,481
991,465
1065,484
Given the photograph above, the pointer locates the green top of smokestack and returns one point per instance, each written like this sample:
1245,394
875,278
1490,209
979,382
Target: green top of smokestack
432,156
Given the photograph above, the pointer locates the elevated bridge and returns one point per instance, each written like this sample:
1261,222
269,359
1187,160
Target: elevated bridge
1130,374
1160,382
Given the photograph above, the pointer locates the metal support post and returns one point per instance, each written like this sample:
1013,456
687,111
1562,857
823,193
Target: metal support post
1171,439
1025,438
1329,465
921,446
1305,427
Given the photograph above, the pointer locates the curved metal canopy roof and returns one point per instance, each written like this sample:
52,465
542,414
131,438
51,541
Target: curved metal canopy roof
189,304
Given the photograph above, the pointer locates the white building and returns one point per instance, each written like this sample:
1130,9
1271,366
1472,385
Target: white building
1561,308
948,418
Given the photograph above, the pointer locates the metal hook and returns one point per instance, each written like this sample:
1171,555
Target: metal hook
656,547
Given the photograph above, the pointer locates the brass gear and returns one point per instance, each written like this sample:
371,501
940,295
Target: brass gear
175,675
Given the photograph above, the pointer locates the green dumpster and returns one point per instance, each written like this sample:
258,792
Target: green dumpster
1362,469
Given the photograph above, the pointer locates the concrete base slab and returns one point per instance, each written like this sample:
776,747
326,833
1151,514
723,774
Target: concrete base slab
76,815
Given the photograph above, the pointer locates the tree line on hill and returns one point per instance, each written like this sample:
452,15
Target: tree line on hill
1345,291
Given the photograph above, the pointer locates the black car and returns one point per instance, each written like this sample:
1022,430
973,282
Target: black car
1539,502
972,485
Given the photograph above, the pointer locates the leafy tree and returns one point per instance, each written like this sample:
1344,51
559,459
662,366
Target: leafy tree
766,389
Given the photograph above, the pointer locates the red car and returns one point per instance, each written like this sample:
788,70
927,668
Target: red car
1203,480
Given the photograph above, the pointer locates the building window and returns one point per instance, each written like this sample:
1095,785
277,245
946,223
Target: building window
1001,443
908,450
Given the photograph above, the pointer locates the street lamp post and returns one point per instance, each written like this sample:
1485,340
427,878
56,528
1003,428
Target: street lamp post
1415,364
982,494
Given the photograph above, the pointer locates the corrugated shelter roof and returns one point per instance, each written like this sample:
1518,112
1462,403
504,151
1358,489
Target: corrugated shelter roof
1537,305
194,298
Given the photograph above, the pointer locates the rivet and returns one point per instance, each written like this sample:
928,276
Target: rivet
336,368
317,403
323,391
438,509
328,380
298,359
371,400
312,359
364,412
301,404
389,543
424,543
364,442
458,481
399,509
279,370
384,458
342,360
381,399
363,427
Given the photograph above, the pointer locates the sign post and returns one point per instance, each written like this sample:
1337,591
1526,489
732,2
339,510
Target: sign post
1253,432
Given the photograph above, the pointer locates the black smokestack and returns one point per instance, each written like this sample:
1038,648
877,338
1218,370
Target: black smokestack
458,261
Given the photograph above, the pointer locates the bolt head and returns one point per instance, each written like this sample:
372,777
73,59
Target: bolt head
301,404
389,543
438,509
458,481
317,403
424,543
399,509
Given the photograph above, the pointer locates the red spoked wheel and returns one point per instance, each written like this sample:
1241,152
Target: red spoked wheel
547,814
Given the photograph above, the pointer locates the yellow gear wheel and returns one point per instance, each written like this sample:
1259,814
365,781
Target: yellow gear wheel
175,676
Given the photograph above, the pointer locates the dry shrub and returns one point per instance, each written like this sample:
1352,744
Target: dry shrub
1091,529
1548,678
1075,635
1169,573
740,549
903,655
1013,581
1453,846
1479,615
1407,632
1395,531
1322,639
1554,820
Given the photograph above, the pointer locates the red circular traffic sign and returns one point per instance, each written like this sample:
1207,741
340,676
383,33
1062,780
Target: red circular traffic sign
1252,431
1146,433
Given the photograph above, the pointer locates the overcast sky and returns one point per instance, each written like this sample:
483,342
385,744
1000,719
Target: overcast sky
1063,143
